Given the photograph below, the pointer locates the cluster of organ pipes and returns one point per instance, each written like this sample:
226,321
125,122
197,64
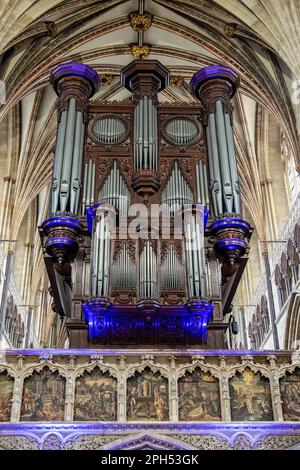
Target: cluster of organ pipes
195,255
148,272
145,135
222,162
109,130
68,160
114,191
171,273
177,193
202,184
100,258
123,272
147,267
88,186
181,131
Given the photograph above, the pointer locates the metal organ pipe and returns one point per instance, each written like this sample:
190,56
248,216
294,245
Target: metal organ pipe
223,156
232,162
145,135
58,159
195,258
68,155
114,190
215,167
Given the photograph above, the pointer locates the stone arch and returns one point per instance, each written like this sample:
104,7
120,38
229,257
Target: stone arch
292,330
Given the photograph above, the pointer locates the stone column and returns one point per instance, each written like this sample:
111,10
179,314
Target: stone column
17,392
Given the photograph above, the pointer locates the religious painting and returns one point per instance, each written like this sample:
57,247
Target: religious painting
6,393
147,397
250,397
199,397
95,397
43,397
290,396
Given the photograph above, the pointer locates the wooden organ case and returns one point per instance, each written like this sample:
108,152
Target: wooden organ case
116,275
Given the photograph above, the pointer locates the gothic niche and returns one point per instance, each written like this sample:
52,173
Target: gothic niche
147,397
199,397
95,397
43,397
250,397
6,393
290,395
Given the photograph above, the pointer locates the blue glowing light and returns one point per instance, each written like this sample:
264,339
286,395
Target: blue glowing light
90,215
214,72
59,221
76,69
230,222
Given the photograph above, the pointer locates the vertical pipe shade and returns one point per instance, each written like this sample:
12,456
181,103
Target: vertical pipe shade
171,271
177,192
123,273
68,155
223,156
215,172
148,272
232,163
58,159
195,255
145,135
100,261
114,191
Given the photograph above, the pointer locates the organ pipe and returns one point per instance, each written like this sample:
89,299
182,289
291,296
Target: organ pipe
114,191
171,271
123,274
148,272
100,260
195,255
145,134
177,192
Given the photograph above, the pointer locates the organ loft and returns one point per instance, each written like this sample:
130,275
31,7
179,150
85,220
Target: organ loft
145,242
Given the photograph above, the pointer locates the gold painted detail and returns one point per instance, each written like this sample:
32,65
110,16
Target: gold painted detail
140,52
106,79
176,80
230,30
140,22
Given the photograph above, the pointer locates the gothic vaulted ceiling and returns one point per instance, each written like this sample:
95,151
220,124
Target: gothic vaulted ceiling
257,38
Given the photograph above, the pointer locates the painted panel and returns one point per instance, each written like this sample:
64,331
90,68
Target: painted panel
199,397
250,397
43,397
6,393
95,397
147,397
290,396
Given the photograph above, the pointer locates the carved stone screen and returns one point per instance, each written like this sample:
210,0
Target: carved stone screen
43,397
95,397
250,397
6,393
147,397
290,396
199,397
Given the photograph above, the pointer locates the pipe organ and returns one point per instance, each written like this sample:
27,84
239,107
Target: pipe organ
145,242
